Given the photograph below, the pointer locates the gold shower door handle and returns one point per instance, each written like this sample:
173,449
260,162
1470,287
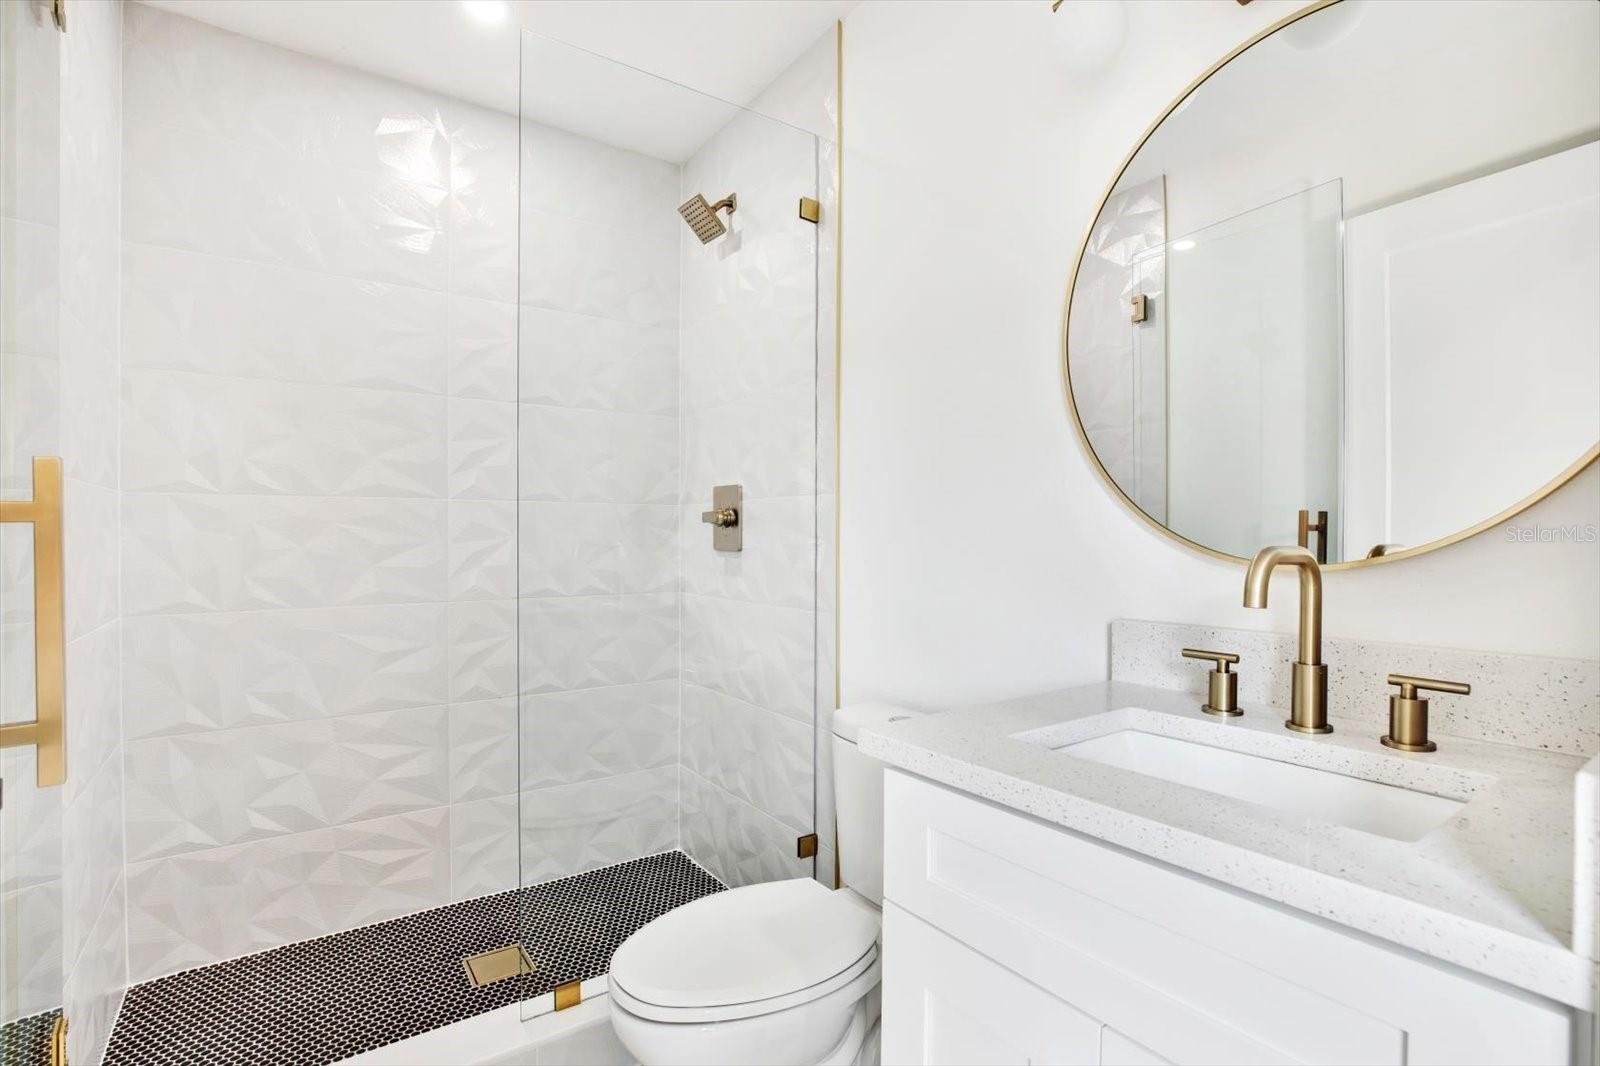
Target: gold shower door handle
47,731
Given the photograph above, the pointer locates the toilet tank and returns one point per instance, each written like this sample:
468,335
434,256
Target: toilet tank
858,797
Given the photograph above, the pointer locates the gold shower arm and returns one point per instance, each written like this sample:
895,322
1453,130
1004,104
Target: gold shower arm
47,731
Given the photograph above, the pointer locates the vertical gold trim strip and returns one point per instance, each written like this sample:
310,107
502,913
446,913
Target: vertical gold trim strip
838,349
58,1041
46,732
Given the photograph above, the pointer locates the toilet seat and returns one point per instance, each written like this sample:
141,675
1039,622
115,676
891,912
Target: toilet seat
866,966
746,952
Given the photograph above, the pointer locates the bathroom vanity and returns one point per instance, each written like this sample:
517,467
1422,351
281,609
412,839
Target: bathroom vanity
1107,875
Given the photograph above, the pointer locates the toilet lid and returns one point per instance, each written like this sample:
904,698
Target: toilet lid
746,944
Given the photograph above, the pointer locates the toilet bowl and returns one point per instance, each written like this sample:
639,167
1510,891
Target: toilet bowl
784,972
781,972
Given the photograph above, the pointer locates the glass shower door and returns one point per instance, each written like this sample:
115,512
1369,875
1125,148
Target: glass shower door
31,943
667,516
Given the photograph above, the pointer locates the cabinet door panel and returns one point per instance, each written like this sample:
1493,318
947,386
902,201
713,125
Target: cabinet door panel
944,1003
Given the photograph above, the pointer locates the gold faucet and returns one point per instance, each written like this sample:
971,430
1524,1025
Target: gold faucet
1308,694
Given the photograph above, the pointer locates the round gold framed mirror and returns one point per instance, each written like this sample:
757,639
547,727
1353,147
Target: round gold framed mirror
1345,290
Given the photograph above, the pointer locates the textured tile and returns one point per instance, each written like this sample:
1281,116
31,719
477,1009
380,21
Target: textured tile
483,847
18,691
209,790
95,985
193,909
89,541
207,552
483,349
30,931
755,652
483,650
483,453
584,549
591,641
32,428
567,359
33,294
202,433
483,749
565,173
236,89
737,843
94,726
767,444
482,543
92,914
91,853
762,758
601,268
262,206
189,311
567,829
89,406
596,456
483,202
594,733
202,672
31,822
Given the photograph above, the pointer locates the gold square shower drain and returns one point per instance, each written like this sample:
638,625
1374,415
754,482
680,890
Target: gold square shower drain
497,965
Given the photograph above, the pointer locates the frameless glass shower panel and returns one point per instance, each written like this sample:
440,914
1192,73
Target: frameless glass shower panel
1253,373
667,477
31,885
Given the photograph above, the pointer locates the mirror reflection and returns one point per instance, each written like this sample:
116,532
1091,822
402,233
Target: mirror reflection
1360,313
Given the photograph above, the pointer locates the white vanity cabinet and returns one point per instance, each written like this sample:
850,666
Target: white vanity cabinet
1010,940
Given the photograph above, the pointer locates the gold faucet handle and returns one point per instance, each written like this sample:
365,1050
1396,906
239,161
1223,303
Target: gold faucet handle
1411,685
1223,659
1408,712
1223,696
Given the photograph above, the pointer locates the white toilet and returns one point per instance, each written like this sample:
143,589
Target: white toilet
778,973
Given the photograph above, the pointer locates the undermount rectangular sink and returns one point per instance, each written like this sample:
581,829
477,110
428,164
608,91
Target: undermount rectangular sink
1370,806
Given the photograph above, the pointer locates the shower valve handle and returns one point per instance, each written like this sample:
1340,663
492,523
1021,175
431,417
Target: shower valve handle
722,517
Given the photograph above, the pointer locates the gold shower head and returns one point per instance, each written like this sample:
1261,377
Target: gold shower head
702,217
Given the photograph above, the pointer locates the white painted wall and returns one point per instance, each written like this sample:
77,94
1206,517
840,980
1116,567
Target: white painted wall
1472,332
981,554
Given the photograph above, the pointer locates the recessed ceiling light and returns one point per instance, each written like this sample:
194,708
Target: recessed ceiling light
490,11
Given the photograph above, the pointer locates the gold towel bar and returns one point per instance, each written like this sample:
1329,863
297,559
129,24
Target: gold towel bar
47,731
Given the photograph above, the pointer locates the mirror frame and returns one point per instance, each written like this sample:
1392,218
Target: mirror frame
1572,471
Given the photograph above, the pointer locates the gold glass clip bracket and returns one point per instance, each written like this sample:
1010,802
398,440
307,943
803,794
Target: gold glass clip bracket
1223,696
47,731
1319,527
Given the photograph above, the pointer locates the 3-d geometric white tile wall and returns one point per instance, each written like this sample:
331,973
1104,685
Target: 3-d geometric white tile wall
749,406
318,464
335,471
597,469
93,899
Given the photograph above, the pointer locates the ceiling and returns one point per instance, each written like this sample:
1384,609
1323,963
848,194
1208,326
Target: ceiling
728,49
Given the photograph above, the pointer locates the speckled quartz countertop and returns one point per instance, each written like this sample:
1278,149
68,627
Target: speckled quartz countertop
1491,890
